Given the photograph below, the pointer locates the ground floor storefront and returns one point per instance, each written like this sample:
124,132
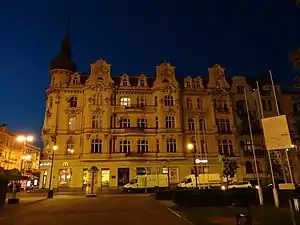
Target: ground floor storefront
73,175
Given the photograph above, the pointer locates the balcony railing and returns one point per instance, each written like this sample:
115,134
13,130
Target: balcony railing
222,110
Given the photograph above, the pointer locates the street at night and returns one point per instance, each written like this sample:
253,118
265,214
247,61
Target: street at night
106,209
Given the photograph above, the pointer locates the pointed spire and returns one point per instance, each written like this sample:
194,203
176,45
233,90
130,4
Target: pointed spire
64,58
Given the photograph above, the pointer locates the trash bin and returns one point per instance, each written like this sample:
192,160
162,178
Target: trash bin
50,194
243,219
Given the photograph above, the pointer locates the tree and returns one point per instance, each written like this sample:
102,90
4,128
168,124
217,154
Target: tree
229,167
277,165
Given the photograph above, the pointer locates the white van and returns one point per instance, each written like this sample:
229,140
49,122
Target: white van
149,181
203,180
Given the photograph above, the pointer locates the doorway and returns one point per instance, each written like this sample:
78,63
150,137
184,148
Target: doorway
123,176
105,173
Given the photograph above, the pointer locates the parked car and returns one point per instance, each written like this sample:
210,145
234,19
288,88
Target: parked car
241,184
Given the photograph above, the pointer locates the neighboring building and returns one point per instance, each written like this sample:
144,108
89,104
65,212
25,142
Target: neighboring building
12,152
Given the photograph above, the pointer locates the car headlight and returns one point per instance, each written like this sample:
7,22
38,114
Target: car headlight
223,187
257,187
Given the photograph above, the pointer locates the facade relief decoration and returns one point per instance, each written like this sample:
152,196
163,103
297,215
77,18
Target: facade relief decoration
88,136
217,78
170,111
73,111
100,72
98,111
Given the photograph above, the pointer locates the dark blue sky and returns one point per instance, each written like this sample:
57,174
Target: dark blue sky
245,37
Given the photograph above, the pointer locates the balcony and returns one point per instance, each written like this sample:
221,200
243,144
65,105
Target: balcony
135,130
222,110
225,132
135,109
258,153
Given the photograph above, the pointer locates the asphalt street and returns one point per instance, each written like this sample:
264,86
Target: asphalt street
106,209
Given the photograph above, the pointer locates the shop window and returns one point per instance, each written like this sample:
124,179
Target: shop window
65,178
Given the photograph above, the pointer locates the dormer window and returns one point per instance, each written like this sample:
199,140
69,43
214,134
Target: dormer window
142,82
125,81
76,81
198,84
188,84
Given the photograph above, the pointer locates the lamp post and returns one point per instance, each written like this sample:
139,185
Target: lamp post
190,148
50,191
24,139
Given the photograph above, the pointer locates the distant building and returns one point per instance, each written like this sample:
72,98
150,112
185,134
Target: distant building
12,153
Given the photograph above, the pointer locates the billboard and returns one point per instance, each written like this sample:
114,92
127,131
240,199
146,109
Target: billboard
276,133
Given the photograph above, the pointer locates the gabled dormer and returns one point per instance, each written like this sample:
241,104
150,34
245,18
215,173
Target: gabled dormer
100,72
188,82
75,79
142,81
198,82
217,79
125,82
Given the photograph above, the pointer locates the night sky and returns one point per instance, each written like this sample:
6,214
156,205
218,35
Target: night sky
245,37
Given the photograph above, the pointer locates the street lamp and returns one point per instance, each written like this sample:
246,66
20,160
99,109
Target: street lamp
24,139
190,147
50,191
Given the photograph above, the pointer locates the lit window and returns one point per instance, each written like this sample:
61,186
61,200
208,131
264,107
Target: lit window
65,178
72,123
142,146
125,101
70,147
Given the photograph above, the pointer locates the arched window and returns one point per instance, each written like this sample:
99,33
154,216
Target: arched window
189,103
142,146
125,101
249,167
72,123
73,101
223,126
188,84
124,146
70,147
200,104
171,145
202,125
96,122
96,146
198,84
169,100
225,147
191,124
170,122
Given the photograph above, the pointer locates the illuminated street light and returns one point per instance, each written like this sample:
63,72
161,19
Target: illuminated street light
50,191
24,139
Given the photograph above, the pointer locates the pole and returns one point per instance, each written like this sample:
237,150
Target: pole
275,193
260,194
196,171
278,113
51,171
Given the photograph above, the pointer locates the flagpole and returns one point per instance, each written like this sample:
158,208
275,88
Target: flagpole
260,194
278,113
275,193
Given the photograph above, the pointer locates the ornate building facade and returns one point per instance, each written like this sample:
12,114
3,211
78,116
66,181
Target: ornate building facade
127,124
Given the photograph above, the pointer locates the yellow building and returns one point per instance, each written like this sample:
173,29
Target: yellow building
126,124
17,155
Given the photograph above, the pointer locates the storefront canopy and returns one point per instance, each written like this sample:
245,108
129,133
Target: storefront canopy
11,175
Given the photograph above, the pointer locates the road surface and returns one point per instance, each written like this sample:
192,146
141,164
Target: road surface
107,209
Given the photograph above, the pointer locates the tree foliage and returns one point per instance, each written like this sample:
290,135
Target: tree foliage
229,167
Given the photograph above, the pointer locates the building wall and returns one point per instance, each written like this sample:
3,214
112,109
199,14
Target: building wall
11,152
110,91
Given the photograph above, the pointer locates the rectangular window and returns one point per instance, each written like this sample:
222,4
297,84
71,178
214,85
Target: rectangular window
65,178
